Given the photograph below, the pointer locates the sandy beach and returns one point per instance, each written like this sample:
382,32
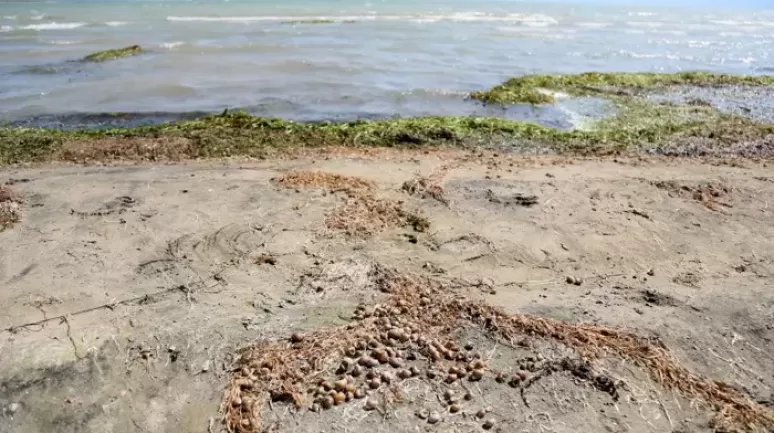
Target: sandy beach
388,217
130,290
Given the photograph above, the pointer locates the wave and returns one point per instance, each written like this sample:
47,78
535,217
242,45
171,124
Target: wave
4,29
648,24
172,45
529,20
434,92
642,14
246,19
668,56
63,42
593,25
9,17
116,23
738,23
536,34
52,26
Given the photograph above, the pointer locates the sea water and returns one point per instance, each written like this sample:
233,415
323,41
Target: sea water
344,59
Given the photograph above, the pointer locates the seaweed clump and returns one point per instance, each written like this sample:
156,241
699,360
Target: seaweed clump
118,53
538,89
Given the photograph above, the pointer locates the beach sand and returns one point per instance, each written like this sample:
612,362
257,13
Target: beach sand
128,289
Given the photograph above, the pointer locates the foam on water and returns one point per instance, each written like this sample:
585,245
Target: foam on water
64,42
52,26
593,25
648,24
668,56
172,45
116,23
534,33
531,20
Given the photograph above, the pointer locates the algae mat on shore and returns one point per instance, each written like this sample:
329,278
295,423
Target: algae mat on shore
104,56
637,126
536,89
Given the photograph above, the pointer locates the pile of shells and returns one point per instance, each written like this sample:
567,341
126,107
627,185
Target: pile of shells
394,350
413,335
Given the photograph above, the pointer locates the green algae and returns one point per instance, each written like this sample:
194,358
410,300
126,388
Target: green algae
239,134
636,126
537,89
118,53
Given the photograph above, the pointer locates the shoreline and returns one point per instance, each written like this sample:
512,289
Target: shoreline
638,126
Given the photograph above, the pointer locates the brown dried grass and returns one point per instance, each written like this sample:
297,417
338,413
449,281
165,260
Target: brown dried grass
711,195
431,185
363,212
289,371
325,180
10,207
126,149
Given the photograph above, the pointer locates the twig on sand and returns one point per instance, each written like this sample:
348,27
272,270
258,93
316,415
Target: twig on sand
110,305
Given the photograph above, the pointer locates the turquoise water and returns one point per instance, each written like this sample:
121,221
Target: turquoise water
378,58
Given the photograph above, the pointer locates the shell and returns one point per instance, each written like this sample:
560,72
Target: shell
434,417
387,377
357,371
327,402
340,385
476,375
371,404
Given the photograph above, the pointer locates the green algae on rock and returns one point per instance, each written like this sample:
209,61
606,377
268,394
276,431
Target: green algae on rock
103,56
537,89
